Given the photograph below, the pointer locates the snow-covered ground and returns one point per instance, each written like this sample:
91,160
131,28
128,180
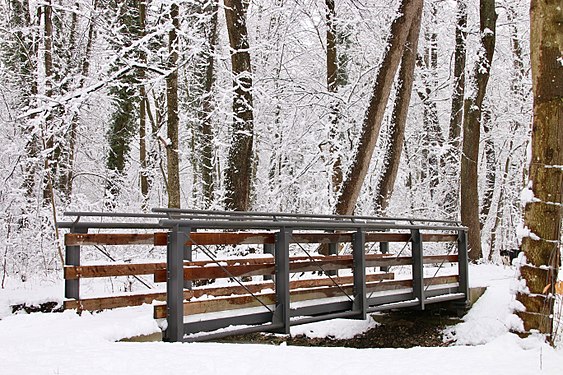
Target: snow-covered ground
66,343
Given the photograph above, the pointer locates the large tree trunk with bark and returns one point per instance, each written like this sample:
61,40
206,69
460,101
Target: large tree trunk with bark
352,185
472,129
238,175
399,117
543,211
172,159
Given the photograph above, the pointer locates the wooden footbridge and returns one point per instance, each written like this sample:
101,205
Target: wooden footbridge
285,282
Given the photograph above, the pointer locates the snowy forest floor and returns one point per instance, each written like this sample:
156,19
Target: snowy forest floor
65,343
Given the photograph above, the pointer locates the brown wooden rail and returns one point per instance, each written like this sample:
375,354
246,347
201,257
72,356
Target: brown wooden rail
330,290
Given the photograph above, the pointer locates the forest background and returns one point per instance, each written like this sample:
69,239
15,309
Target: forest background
131,104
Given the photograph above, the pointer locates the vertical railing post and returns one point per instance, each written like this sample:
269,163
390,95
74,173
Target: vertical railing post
417,267
269,248
384,249
282,312
332,250
72,258
359,260
462,263
176,251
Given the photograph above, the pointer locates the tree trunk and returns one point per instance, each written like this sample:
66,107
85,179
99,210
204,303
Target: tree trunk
67,178
173,165
238,175
21,58
352,185
472,129
207,159
123,123
48,136
543,213
332,72
399,117
456,114
432,138
143,176
490,167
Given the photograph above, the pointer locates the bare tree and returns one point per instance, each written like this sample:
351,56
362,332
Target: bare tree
398,123
173,164
456,114
543,210
408,9
238,175
472,128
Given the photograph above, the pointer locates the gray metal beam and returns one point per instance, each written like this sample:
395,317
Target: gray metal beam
72,258
463,263
329,225
282,311
177,237
359,260
275,215
417,266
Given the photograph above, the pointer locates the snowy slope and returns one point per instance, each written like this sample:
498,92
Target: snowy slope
70,344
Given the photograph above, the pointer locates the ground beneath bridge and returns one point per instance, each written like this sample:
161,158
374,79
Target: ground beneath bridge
398,329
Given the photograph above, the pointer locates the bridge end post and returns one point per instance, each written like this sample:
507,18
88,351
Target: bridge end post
176,251
359,260
72,258
417,267
463,263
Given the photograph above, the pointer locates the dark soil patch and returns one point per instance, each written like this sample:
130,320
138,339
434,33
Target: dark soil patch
46,307
400,329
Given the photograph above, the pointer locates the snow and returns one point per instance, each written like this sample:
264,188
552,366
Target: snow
66,343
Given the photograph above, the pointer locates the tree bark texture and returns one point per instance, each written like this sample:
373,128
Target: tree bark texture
352,184
399,117
48,137
543,213
472,129
238,175
172,157
332,81
22,59
143,176
456,115
207,159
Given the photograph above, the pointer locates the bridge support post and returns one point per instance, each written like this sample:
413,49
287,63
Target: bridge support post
282,311
269,248
384,249
72,258
332,250
359,260
176,252
417,267
462,263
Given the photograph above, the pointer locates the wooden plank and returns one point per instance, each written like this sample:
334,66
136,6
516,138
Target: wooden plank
95,304
248,301
328,263
81,239
106,270
438,237
438,259
201,270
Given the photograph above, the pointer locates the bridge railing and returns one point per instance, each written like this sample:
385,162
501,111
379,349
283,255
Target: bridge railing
351,285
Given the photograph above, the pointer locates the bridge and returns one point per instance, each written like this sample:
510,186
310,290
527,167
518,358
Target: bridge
276,280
